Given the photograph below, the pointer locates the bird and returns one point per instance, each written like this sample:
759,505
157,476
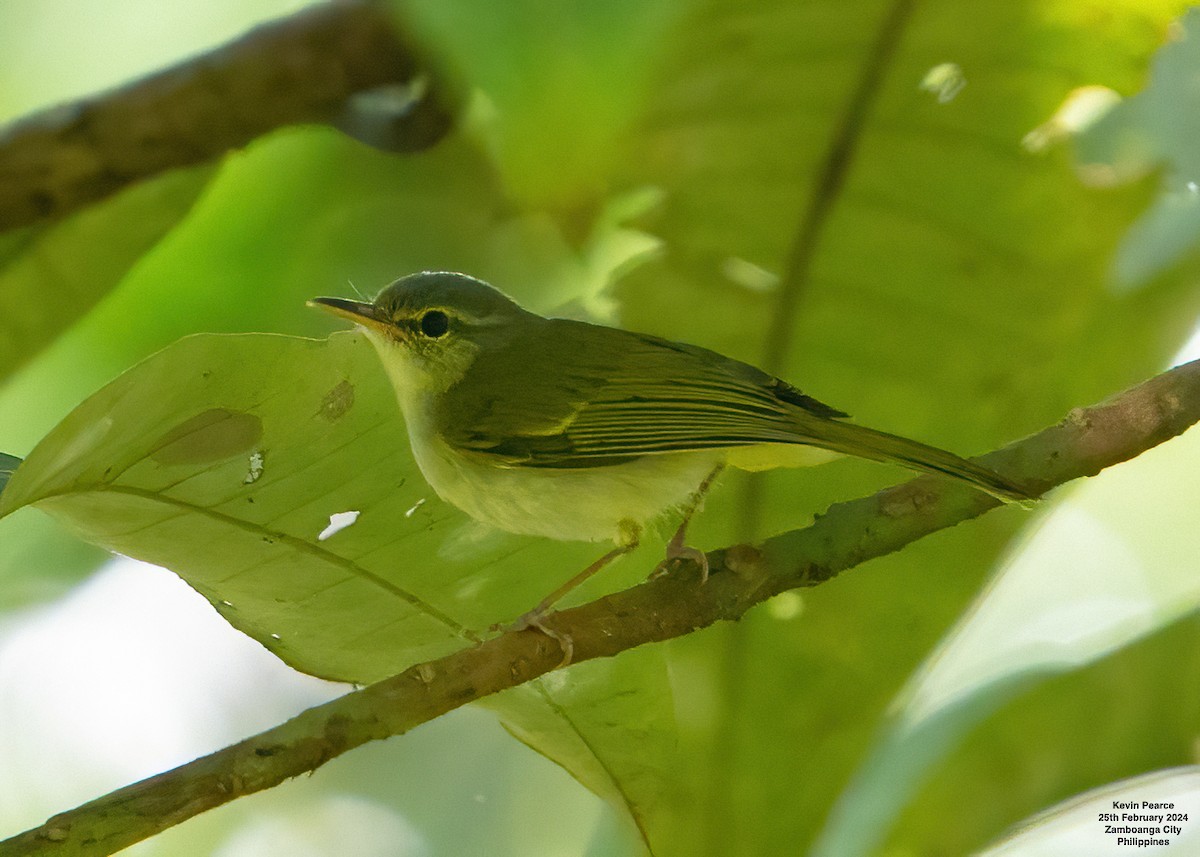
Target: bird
575,431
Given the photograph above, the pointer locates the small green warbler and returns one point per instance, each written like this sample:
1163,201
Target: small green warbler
574,431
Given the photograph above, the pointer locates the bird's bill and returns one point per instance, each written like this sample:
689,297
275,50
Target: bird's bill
355,311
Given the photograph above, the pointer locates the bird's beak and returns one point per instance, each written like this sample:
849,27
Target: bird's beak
355,311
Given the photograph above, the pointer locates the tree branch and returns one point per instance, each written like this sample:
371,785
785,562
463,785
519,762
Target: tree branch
303,68
1084,443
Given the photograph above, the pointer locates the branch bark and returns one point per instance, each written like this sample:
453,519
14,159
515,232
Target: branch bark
299,69
1085,442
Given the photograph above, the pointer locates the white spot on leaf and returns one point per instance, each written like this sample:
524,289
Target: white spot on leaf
256,468
338,521
415,506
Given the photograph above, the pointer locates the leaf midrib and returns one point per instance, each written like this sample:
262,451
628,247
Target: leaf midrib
296,543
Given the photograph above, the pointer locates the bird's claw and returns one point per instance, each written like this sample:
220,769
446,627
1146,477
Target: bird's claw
534,619
680,551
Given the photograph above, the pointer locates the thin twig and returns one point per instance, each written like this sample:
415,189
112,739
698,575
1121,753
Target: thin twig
831,175
826,191
1087,441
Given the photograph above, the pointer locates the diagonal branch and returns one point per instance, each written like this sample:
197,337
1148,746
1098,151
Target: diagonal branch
1088,440
304,68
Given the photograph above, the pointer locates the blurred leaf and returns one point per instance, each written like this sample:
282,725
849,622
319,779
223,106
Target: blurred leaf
1075,827
956,293
574,717
332,824
1114,581
52,275
1160,237
1157,126
1049,737
40,559
558,96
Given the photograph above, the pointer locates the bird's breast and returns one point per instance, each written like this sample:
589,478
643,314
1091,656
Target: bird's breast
568,504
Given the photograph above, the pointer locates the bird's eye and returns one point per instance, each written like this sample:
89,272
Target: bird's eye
435,323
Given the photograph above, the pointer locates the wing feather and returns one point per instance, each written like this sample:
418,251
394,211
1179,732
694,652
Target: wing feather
569,395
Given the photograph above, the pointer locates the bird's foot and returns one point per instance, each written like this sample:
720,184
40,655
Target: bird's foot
677,551
535,619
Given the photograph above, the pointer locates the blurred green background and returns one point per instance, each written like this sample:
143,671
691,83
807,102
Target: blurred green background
653,164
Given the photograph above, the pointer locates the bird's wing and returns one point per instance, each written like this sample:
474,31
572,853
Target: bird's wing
570,395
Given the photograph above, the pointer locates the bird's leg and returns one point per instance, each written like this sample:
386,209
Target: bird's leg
628,539
677,547
546,603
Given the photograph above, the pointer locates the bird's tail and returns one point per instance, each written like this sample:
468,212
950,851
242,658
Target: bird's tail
880,446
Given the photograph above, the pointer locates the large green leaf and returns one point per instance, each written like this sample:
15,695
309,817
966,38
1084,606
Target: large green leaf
224,457
956,291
